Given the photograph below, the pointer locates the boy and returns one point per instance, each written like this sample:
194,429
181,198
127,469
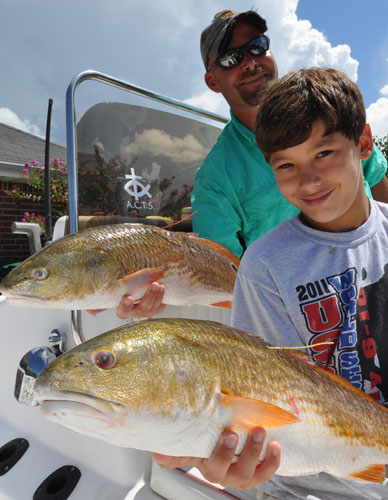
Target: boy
322,275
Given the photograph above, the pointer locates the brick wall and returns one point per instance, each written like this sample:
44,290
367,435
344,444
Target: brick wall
14,247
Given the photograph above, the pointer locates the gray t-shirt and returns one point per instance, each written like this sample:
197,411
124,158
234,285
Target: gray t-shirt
300,286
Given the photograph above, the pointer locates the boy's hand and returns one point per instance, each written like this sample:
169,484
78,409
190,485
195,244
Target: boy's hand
218,468
149,305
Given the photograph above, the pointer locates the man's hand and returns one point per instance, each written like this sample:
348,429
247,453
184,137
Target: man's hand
149,305
246,473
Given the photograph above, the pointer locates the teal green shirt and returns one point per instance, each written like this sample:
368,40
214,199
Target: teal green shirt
235,192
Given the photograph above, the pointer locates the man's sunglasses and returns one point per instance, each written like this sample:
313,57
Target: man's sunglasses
233,57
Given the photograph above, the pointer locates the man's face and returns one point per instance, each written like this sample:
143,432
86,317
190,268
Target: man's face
244,83
323,178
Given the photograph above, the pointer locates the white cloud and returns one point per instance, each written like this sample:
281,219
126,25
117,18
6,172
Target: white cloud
377,115
156,142
8,117
296,44
210,101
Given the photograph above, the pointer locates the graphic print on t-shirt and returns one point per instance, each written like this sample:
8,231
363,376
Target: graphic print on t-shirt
354,318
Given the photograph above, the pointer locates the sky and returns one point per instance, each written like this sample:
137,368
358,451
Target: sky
154,44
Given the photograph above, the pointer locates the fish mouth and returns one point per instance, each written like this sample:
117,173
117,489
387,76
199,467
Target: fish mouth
20,299
55,403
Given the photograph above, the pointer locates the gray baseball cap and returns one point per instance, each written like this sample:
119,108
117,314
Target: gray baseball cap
217,35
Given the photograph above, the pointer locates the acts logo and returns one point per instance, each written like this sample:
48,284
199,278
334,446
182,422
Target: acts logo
139,191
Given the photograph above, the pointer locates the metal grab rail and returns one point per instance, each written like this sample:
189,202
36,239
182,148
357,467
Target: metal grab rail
72,148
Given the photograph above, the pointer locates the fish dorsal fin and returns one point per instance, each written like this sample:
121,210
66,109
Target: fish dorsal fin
374,474
219,248
248,413
345,383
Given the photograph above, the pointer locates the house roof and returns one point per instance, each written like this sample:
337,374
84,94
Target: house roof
18,147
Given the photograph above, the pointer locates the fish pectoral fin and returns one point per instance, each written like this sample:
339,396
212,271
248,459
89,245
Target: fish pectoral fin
374,474
249,413
227,304
140,279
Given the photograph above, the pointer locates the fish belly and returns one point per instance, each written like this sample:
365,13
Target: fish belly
183,291
182,435
308,450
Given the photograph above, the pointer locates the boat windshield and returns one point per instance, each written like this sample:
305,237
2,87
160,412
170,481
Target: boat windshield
138,163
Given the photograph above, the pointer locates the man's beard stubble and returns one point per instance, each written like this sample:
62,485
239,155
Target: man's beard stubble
253,96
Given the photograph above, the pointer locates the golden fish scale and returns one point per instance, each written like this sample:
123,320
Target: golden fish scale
62,254
91,261
241,364
136,247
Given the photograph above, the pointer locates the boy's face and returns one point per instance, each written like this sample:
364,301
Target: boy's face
323,178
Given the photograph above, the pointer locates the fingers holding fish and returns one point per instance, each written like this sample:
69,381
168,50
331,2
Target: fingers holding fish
221,467
149,305
247,471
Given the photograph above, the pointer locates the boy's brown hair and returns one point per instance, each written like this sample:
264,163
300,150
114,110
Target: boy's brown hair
292,105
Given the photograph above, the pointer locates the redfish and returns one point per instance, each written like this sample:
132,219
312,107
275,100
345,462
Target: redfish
93,268
172,386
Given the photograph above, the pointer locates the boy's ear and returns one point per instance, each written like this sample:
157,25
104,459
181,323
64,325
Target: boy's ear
366,143
211,82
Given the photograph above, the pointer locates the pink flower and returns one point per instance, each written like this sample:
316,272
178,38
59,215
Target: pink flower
27,214
26,164
24,220
25,171
13,191
34,163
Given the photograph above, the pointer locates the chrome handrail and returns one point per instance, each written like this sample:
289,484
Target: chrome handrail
72,148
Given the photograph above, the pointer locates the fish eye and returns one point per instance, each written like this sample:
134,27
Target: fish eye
40,274
104,359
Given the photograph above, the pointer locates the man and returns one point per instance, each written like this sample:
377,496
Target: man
235,196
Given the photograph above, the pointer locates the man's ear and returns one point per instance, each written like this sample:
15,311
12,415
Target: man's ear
211,82
366,143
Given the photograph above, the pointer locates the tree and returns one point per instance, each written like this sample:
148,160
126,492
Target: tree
382,144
